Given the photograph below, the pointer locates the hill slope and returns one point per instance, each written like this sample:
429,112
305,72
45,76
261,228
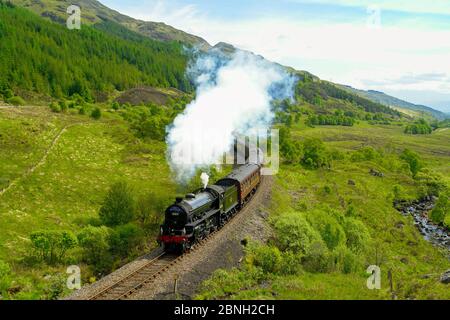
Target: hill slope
59,62
94,12
381,97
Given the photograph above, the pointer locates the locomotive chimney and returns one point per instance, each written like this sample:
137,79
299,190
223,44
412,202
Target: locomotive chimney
179,199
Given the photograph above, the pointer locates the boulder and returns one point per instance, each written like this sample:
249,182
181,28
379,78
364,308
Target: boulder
445,277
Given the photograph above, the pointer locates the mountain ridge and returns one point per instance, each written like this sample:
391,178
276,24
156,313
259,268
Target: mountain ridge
388,100
93,12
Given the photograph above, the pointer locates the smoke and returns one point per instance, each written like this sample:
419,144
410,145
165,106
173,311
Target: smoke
234,95
205,179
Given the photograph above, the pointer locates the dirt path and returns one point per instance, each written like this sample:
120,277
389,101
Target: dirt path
41,161
223,250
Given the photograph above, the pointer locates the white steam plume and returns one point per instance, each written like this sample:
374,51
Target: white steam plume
205,179
234,95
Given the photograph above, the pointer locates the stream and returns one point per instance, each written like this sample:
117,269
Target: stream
432,232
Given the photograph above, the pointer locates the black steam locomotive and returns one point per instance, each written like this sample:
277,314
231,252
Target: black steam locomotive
193,218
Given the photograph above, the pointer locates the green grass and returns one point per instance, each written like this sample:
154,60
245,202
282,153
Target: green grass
66,191
396,243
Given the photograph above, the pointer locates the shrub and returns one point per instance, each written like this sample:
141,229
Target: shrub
95,244
345,260
96,113
54,107
430,183
115,105
51,246
5,281
119,205
293,232
149,208
291,150
413,160
365,154
318,259
329,228
315,154
63,106
124,239
16,101
268,258
357,234
7,94
442,209
82,111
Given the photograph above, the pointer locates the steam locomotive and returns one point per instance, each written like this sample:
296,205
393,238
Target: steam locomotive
191,219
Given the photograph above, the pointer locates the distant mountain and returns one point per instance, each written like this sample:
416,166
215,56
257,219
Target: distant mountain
93,12
381,97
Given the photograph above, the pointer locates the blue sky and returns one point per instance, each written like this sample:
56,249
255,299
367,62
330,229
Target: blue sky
401,47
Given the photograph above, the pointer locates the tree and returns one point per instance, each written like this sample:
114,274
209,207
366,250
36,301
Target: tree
294,233
442,209
52,246
95,244
119,205
315,154
413,160
96,114
124,239
357,234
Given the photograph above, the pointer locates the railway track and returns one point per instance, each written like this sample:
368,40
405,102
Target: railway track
150,271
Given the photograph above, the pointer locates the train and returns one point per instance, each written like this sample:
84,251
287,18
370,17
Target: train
193,217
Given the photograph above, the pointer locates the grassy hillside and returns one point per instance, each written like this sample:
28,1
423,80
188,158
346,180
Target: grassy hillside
330,224
94,12
60,185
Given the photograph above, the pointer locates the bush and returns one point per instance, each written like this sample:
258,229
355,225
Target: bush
413,161
290,150
51,246
119,205
315,154
268,258
329,228
5,281
365,154
54,107
95,244
63,106
82,111
441,210
7,94
345,260
16,101
115,105
358,236
430,183
124,239
96,113
293,232
149,208
318,259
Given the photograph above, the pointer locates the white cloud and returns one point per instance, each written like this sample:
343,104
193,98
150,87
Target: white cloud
415,6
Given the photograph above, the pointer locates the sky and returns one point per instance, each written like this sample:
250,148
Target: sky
400,47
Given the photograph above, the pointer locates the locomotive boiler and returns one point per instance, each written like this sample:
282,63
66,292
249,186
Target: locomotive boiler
194,217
